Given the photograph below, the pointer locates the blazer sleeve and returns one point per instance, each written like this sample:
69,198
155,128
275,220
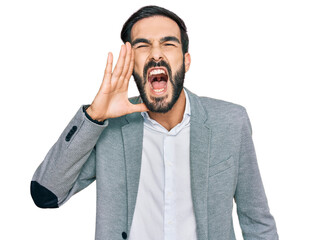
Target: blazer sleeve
252,208
69,166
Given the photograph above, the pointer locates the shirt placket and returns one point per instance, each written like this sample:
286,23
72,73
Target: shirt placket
169,221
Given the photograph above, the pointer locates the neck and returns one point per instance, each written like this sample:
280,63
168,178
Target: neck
172,117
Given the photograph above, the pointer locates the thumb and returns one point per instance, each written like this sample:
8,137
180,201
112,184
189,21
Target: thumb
141,107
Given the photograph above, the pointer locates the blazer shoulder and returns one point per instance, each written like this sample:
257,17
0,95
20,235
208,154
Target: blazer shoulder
135,100
218,103
220,110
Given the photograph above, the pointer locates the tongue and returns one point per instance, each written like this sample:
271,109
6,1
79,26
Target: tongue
158,85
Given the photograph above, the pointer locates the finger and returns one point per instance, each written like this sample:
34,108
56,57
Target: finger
126,65
120,62
108,69
130,70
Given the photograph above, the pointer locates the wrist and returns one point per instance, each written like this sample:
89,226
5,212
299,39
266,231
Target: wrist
92,116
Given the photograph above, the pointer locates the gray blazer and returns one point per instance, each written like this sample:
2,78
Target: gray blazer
223,168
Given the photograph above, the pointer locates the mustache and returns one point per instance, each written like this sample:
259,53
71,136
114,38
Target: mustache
152,63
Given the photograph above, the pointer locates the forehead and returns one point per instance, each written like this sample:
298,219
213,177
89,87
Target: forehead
155,27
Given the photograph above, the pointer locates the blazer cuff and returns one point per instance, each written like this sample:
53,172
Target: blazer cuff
92,120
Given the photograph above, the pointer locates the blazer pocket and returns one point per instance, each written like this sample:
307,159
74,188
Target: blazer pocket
221,166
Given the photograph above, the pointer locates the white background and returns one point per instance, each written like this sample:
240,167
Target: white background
52,58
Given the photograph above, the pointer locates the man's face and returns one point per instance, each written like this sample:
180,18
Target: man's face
160,64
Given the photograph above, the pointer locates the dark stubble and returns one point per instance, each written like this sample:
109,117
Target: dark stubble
159,104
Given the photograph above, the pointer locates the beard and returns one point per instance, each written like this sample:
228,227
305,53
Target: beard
160,104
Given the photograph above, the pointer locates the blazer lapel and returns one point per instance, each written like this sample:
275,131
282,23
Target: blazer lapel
200,135
132,134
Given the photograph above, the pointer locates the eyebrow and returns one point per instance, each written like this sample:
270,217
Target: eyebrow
164,39
140,40
169,38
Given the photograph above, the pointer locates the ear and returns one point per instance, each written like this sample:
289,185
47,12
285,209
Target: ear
187,61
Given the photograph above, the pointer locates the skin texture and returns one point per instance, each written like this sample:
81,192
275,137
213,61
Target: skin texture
154,39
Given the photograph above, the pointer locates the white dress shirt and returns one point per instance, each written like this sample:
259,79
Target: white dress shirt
164,209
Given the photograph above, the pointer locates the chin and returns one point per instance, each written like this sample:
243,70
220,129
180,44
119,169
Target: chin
161,104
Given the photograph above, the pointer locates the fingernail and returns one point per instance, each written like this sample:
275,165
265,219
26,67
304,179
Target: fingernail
109,56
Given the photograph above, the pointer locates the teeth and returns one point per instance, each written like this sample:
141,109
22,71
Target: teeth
159,90
156,71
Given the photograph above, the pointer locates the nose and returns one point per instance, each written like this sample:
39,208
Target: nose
156,54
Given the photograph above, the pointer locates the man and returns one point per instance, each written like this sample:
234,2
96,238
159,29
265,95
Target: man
168,164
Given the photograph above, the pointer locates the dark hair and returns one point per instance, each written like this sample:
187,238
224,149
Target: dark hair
150,11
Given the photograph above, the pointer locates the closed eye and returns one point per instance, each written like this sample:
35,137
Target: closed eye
142,46
169,44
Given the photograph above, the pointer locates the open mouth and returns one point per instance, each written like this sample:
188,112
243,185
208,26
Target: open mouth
158,78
